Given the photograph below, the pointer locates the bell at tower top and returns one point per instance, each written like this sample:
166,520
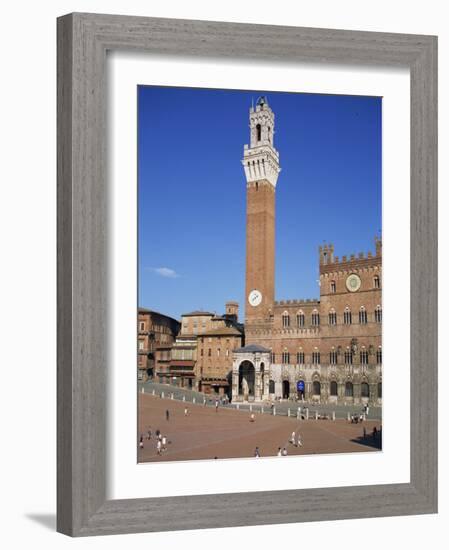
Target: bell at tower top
260,158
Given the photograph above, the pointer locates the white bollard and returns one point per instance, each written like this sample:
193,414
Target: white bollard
193,400
261,410
250,408
298,413
316,415
288,412
143,390
349,417
307,414
184,398
237,407
204,401
172,395
274,411
154,392
162,395
333,415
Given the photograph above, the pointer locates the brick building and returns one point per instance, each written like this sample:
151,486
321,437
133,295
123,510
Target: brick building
326,349
182,362
214,361
155,330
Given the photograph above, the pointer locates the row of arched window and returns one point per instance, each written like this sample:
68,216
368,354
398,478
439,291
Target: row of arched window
334,357
332,317
333,388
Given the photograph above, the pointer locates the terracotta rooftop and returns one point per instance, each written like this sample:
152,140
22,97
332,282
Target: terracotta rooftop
222,331
198,313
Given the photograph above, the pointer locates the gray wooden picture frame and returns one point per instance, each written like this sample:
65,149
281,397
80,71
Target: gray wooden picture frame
83,40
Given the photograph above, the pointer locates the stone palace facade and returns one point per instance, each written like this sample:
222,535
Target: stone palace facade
327,350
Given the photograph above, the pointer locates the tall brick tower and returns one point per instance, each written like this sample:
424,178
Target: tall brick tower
261,164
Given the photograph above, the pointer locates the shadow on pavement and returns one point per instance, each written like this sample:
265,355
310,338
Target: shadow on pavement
369,441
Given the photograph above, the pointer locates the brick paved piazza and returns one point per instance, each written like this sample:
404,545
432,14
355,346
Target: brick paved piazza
228,433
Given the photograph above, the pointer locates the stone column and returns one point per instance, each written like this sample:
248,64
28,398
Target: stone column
257,382
373,394
235,385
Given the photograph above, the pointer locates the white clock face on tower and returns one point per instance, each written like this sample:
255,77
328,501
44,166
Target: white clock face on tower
255,298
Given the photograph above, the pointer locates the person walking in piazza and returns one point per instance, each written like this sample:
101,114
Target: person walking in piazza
292,438
159,446
216,406
279,451
141,442
186,411
257,452
149,434
164,443
167,415
299,441
252,418
284,452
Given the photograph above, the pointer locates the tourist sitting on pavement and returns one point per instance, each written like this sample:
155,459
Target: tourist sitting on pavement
257,452
284,452
279,452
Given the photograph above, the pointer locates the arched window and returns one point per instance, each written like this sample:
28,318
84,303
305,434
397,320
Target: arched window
378,314
376,281
379,390
300,319
379,356
271,386
300,358
285,319
332,317
334,388
315,357
333,287
269,134
333,357
363,318
272,357
316,388
364,389
285,357
347,316
259,132
363,357
315,318
349,389
348,357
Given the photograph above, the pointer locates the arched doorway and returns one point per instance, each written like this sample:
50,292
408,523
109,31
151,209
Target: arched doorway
364,389
271,386
333,389
301,389
285,389
316,388
246,379
349,389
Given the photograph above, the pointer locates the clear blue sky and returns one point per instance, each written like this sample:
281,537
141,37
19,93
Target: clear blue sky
192,191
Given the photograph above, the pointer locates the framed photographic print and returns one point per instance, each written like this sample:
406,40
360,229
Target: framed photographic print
246,274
